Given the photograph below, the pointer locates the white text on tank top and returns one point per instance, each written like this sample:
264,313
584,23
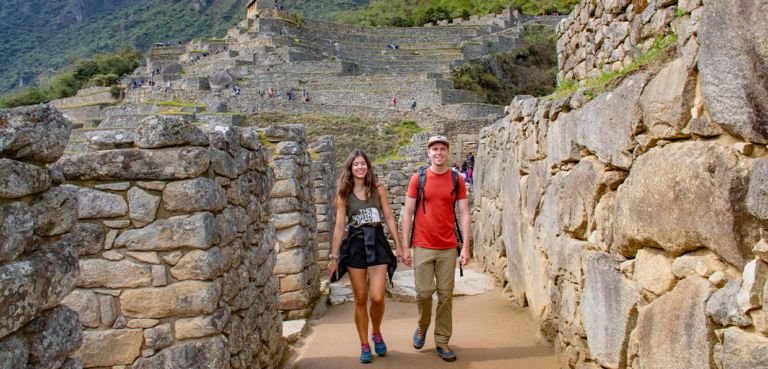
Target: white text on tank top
367,216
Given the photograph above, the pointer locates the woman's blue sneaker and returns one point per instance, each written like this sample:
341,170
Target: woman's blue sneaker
419,338
446,353
378,344
366,356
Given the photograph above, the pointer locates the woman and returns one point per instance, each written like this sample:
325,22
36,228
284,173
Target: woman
365,252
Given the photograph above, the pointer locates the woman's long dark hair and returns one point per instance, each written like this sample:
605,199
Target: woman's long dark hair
347,180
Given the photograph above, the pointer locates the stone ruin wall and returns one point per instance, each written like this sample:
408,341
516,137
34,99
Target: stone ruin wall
38,249
607,36
291,201
193,244
395,175
634,225
177,246
326,180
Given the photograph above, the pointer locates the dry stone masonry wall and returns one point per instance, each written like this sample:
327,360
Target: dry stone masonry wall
293,217
39,246
325,183
177,251
609,35
395,175
633,224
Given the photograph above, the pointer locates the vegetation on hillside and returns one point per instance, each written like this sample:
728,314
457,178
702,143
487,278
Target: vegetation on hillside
498,78
378,139
414,13
100,70
323,10
41,37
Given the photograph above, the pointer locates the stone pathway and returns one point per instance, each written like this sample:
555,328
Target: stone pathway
489,332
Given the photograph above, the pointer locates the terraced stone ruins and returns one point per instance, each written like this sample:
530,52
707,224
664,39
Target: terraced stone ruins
630,219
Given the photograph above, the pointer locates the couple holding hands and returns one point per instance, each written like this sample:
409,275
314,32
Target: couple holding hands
430,226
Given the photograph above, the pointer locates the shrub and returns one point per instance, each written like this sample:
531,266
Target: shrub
27,96
115,91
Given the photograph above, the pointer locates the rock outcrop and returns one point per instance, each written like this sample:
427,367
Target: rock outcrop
632,222
38,252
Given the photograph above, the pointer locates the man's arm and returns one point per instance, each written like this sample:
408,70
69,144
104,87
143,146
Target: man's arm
464,222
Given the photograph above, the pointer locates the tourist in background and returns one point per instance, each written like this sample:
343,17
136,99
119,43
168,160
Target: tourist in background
361,202
435,240
470,171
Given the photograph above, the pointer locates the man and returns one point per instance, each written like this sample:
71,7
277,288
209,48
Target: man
413,104
435,244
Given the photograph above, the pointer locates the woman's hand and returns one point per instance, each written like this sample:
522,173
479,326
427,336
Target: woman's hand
333,266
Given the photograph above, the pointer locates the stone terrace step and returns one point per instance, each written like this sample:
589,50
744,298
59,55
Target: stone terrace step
290,78
78,135
132,120
431,85
394,68
339,37
427,58
150,108
379,31
384,98
437,50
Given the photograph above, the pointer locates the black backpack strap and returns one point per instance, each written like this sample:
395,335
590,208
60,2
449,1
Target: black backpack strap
419,199
455,177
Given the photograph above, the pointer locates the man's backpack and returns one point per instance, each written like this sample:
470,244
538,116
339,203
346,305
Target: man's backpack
421,197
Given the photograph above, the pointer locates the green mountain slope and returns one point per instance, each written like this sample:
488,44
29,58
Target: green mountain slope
324,10
418,12
44,36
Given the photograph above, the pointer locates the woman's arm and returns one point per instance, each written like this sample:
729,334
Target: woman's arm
388,217
338,235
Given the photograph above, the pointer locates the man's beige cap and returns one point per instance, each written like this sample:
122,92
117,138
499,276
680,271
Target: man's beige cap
436,139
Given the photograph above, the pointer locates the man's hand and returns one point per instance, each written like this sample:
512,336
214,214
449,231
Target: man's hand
464,256
405,257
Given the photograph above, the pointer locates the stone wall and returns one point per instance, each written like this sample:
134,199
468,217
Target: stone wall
395,175
633,224
609,35
38,248
94,97
291,201
326,180
177,252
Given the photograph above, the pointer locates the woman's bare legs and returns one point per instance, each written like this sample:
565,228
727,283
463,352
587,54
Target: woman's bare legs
359,279
378,277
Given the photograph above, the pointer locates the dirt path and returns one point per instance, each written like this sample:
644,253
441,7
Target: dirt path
488,332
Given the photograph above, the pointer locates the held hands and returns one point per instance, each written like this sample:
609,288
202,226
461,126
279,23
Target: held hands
404,256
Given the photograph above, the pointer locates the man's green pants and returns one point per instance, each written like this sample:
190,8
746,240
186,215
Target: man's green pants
435,270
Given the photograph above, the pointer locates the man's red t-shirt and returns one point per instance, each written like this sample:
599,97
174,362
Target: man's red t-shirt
436,228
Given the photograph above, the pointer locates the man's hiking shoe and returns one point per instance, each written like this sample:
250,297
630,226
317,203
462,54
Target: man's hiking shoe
419,338
378,344
365,355
446,353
